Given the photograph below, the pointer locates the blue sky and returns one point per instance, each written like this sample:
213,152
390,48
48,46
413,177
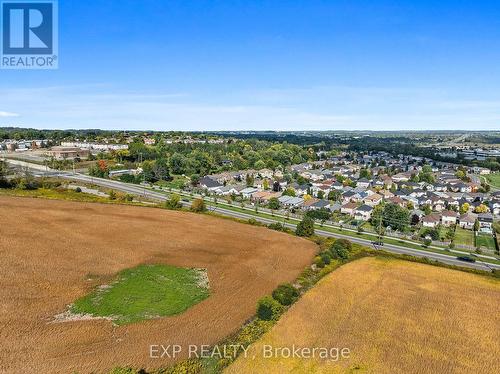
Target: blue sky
260,65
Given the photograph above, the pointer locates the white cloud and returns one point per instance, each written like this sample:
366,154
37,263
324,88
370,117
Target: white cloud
8,114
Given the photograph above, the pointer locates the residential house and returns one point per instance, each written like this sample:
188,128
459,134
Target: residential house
363,182
401,177
397,200
485,222
495,207
431,220
291,201
386,194
260,196
307,203
449,217
348,208
467,221
320,204
363,213
266,173
247,192
209,184
373,200
349,196
227,190
335,207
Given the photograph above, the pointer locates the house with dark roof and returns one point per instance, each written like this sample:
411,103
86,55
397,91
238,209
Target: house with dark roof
363,182
485,222
363,213
209,184
320,204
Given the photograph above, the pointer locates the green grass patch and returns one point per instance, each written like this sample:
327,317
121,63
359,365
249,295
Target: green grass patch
494,179
485,240
178,182
145,292
464,237
57,194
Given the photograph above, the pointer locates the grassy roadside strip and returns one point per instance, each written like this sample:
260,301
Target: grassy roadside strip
364,235
255,328
66,194
345,231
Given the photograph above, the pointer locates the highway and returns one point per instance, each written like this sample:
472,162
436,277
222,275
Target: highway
158,196
143,191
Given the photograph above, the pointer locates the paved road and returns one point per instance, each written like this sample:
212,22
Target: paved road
143,191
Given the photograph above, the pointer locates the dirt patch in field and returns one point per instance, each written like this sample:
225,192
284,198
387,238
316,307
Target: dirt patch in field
394,317
53,252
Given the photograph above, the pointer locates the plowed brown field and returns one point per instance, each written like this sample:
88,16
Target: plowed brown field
52,252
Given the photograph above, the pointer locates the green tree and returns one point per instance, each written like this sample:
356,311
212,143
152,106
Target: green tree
319,214
305,227
269,309
3,173
476,225
396,217
334,195
340,250
174,202
259,165
414,178
460,174
249,179
265,184
177,163
160,169
285,294
273,204
198,205
289,192
365,173
427,169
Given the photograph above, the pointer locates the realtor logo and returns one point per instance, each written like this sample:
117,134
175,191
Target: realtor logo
28,34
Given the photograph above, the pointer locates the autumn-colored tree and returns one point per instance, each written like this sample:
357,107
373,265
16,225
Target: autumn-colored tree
198,205
102,165
464,208
481,209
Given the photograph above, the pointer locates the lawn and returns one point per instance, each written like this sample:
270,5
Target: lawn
464,237
145,292
494,179
178,182
396,317
55,193
485,240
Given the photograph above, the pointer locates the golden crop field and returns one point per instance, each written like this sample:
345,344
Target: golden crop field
394,317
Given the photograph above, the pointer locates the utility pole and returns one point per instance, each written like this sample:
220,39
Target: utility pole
380,231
